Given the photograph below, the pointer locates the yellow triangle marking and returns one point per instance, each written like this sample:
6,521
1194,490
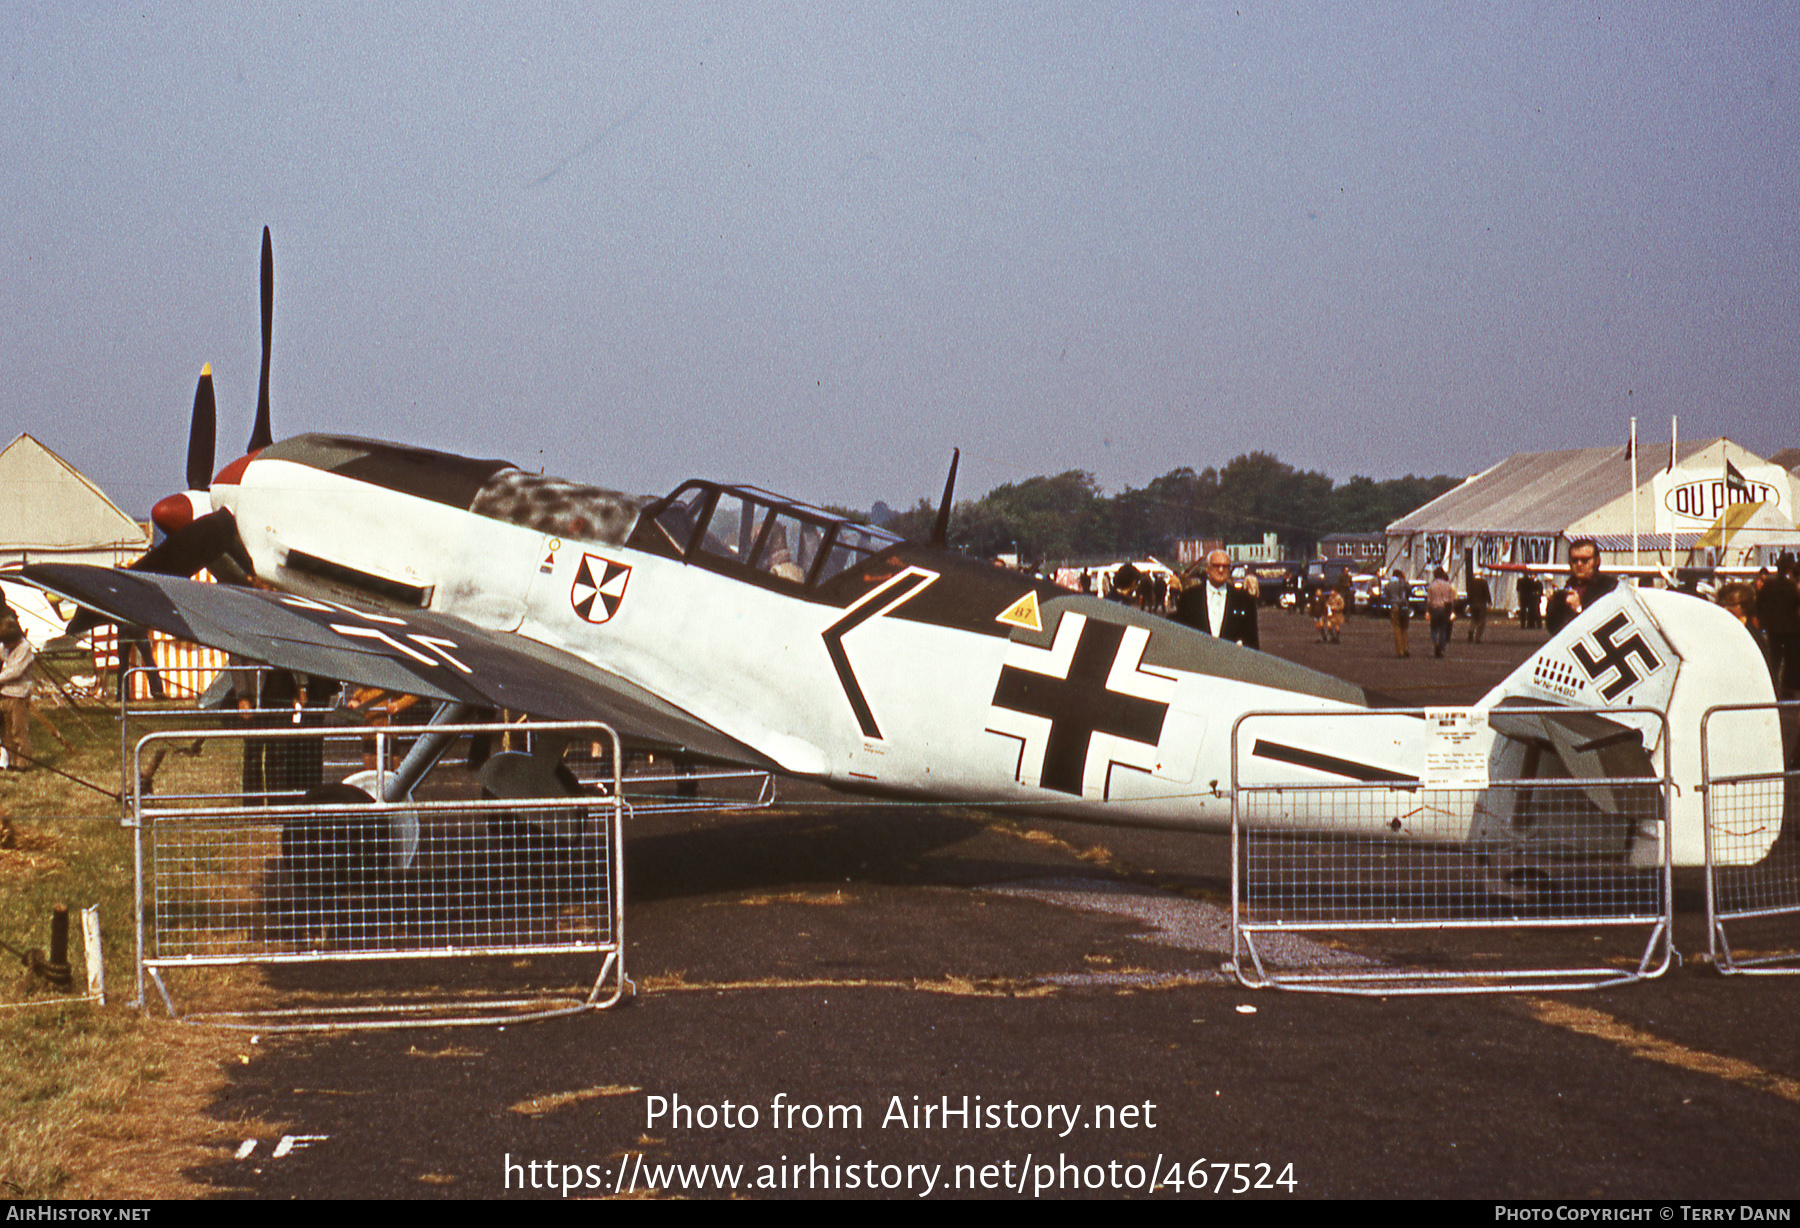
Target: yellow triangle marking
1022,613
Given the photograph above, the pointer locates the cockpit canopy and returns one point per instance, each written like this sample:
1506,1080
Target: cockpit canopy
754,532
741,530
497,489
558,506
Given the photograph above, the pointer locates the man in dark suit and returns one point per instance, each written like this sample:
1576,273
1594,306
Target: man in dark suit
1586,586
1531,596
1216,608
1778,612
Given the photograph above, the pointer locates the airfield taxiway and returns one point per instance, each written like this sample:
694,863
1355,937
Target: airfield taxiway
833,953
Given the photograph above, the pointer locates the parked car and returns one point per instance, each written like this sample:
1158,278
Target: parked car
1274,580
1378,603
1325,572
1322,573
1460,605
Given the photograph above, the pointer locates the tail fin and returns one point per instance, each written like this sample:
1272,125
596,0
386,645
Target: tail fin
1643,648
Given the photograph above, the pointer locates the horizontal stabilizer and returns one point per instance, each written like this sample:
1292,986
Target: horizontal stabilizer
1589,747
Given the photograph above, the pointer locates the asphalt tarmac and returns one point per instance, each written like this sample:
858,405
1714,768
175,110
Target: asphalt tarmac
830,969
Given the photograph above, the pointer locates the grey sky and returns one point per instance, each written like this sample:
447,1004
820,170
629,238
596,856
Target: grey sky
814,247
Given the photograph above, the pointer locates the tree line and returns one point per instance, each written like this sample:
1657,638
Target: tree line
1052,519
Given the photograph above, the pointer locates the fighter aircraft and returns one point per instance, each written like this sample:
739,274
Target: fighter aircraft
735,625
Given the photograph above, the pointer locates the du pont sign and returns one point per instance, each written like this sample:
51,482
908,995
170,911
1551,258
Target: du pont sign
1689,500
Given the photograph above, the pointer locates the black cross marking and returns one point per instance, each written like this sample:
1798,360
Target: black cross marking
1616,655
1080,706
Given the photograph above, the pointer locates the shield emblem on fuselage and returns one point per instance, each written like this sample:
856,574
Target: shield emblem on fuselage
599,588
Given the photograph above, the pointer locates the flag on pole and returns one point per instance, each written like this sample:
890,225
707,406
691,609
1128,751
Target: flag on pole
1669,576
1631,455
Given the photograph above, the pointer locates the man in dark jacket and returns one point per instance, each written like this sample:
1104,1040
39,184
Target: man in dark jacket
1480,598
1531,594
1778,614
1586,586
1216,608
1124,586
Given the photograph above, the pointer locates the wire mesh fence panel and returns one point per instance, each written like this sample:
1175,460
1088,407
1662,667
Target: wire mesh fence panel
290,843
318,881
1752,843
260,840
1407,885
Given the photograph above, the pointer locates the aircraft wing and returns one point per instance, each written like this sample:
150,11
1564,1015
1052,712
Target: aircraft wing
434,656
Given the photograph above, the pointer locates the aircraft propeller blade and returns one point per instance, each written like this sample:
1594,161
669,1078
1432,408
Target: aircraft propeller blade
260,436
940,532
84,621
212,540
201,433
183,553
188,549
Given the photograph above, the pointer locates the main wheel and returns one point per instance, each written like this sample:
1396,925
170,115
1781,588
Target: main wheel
334,852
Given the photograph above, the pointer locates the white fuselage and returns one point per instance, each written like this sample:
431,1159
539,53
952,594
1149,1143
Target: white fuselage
752,662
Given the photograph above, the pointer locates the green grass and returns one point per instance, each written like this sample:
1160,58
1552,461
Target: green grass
94,1101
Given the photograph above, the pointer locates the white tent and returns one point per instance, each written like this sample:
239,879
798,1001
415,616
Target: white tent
1529,507
50,513
1747,535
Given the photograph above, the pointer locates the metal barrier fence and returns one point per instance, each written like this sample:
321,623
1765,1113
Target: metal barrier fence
245,855
252,850
1752,839
1535,876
